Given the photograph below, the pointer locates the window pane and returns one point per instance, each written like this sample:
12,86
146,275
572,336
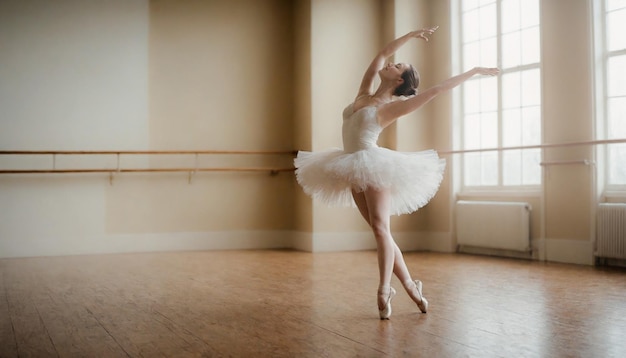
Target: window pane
472,169
471,55
471,131
617,118
615,4
616,73
511,52
489,168
616,24
521,167
530,13
469,4
510,10
506,110
488,21
531,88
615,20
471,27
488,53
531,128
617,170
512,171
488,94
531,170
471,96
511,128
511,96
489,130
530,45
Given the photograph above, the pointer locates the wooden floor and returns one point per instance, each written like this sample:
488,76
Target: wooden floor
295,304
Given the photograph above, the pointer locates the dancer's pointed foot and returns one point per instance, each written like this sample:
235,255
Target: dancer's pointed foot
414,289
385,297
422,303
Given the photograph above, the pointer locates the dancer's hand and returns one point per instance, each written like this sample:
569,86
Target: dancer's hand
424,33
487,71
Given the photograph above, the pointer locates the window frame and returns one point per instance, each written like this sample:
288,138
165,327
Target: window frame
601,100
459,112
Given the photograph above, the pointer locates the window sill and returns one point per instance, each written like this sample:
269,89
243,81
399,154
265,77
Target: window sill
521,193
614,196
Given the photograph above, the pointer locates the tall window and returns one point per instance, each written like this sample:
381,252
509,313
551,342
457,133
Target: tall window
612,101
502,111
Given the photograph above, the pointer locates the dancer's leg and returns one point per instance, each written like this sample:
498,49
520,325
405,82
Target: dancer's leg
399,266
379,217
359,199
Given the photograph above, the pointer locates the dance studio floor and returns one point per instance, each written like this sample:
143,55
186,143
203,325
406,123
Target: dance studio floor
296,304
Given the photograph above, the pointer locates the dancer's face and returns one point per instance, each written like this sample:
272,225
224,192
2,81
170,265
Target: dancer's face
393,71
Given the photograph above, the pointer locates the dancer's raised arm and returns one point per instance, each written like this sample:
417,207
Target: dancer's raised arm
379,61
389,112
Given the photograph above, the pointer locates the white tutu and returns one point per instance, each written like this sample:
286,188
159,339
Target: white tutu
412,178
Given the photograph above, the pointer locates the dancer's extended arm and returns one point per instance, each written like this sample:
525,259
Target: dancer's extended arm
391,48
389,112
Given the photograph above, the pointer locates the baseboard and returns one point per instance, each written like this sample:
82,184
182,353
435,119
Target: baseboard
412,240
606,261
440,241
343,241
126,243
552,250
219,240
302,241
496,252
568,251
364,240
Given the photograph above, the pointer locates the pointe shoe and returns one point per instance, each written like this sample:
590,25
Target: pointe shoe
385,313
423,303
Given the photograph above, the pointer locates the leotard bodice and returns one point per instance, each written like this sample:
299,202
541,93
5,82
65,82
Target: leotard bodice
360,129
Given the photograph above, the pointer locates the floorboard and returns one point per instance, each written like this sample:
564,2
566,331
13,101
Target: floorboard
296,304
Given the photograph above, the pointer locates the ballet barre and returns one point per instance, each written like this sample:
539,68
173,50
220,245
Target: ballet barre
118,169
146,152
569,162
537,146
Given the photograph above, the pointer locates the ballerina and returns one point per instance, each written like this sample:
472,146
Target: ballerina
381,182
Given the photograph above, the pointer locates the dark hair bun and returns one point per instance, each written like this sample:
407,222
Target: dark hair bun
411,80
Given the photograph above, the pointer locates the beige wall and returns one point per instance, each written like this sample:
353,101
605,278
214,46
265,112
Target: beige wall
251,75
303,214
221,74
220,78
414,131
441,111
142,75
73,76
338,61
568,116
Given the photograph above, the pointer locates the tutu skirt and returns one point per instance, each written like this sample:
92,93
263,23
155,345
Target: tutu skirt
412,178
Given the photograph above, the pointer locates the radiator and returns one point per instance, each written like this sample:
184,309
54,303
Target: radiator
494,225
611,231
